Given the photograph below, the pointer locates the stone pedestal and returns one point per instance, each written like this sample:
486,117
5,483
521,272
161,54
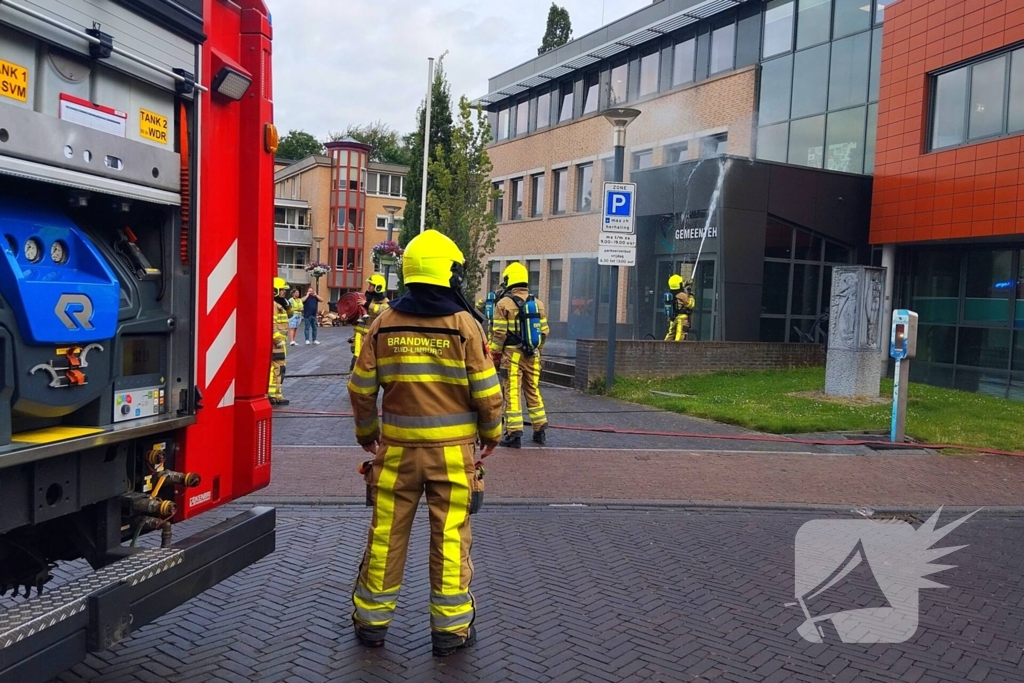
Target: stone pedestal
855,332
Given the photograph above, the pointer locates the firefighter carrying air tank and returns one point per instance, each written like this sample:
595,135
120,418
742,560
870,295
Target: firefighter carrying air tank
518,333
679,306
279,357
376,303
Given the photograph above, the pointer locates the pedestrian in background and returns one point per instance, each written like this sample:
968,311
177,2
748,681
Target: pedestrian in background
310,309
295,317
441,398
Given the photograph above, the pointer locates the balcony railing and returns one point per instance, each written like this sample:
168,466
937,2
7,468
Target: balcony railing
293,273
293,235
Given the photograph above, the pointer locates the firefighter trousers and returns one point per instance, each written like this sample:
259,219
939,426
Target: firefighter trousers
398,478
278,365
520,376
678,328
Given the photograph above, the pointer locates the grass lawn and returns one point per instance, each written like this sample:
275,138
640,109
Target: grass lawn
763,401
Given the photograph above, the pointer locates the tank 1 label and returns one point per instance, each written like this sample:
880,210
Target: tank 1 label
152,126
13,81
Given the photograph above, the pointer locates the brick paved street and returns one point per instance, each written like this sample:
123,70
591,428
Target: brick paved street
583,594
591,565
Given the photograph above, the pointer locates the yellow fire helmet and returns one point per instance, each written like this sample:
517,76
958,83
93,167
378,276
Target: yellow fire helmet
430,258
515,274
675,283
377,283
279,284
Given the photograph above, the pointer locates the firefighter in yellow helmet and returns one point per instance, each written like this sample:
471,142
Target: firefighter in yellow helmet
518,333
279,352
683,304
441,401
376,303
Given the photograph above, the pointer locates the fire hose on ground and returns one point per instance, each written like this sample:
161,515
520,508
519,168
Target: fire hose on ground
882,445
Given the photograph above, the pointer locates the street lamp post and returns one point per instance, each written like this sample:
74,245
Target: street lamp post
392,210
318,239
620,120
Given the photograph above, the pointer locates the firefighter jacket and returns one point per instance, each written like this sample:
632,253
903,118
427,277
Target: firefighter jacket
440,388
374,307
683,303
505,327
280,323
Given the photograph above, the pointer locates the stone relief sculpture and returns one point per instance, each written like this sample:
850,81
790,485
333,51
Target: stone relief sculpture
872,311
843,321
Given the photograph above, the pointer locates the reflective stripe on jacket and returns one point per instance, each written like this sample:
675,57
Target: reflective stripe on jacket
440,388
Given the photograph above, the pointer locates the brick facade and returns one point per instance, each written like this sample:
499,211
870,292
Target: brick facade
721,104
970,191
655,359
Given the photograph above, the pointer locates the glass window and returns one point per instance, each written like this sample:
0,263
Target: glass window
503,123
517,198
533,273
608,169
649,68
950,103
988,103
836,253
880,6
352,214
936,344
844,141
382,222
776,81
808,247
385,184
561,182
494,278
810,81
851,16
499,203
565,107
683,62
590,89
554,300
544,110
807,142
619,82
814,22
723,48
1016,123
987,299
937,287
371,183
1018,352
537,191
1020,298
773,142
778,27
876,65
850,73
523,117
584,187
805,289
778,240
984,348
350,258
773,329
642,160
775,288
677,153
714,145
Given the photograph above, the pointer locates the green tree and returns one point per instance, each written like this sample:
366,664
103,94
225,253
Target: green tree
461,190
388,145
559,29
441,131
298,144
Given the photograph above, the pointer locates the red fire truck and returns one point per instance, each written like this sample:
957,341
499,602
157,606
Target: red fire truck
136,212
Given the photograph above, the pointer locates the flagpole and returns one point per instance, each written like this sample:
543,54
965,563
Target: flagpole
426,142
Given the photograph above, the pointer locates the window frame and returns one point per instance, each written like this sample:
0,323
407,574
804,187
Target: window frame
792,28
678,146
547,110
591,87
635,157
498,203
652,52
730,24
537,207
691,38
580,172
566,89
517,197
526,126
621,63
559,181
969,65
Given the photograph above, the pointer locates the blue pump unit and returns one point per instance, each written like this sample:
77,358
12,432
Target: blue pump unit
489,307
60,287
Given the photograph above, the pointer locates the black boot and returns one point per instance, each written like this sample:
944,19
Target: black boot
371,636
282,402
512,440
448,643
540,436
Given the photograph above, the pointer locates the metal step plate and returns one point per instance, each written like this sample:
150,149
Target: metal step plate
49,609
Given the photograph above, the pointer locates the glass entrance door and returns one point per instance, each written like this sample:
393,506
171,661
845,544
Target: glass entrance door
703,323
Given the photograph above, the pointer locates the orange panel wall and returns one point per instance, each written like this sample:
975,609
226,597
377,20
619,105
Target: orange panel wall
972,191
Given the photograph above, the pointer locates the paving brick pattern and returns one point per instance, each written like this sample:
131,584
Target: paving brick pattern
584,594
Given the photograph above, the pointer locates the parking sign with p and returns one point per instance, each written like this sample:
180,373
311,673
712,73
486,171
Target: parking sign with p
618,207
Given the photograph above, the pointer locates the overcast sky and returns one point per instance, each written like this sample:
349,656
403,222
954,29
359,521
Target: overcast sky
341,62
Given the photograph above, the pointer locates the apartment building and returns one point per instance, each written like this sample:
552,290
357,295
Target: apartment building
331,209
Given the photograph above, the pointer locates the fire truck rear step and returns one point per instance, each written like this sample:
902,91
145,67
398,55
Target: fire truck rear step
50,633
